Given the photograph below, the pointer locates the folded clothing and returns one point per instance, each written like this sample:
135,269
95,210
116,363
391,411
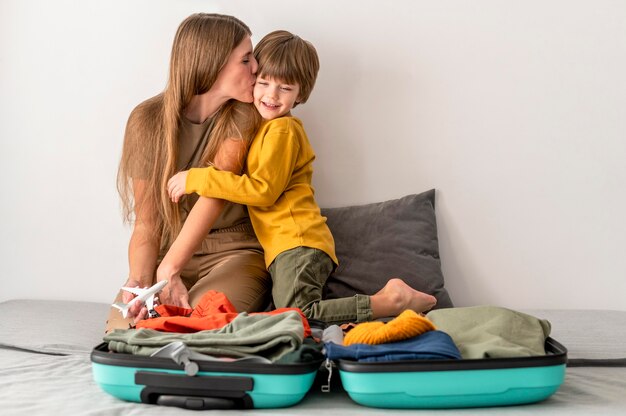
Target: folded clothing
212,312
432,345
492,331
270,336
310,351
333,333
406,325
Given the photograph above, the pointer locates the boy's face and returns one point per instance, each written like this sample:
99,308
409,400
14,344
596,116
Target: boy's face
273,98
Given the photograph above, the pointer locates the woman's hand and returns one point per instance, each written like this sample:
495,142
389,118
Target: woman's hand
176,186
174,293
138,310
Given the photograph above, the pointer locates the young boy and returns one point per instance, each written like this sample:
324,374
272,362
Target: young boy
276,187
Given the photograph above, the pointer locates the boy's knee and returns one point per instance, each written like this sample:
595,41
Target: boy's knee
310,310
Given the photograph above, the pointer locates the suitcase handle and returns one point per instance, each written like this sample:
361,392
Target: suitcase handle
205,392
196,402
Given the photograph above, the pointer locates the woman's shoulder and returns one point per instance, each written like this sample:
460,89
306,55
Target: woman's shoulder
146,111
142,122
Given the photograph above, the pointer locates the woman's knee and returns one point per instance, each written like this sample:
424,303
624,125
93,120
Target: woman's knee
242,277
115,319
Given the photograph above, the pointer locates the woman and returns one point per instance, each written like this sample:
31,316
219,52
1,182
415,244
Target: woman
194,122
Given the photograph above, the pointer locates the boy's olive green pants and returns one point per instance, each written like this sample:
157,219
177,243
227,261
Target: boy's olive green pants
298,277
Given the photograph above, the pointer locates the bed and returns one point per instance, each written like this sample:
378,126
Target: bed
45,367
45,345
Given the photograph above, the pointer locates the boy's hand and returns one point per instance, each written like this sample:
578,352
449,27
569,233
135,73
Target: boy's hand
176,186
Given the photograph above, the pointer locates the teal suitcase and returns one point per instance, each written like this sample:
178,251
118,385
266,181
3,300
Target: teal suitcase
217,385
432,384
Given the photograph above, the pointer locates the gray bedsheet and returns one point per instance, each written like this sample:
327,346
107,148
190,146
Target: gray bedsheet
36,380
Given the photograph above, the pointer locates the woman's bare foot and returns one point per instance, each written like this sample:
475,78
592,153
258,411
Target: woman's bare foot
396,297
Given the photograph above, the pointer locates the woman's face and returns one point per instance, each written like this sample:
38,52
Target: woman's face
237,77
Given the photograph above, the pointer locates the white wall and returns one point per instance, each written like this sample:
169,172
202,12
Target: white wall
514,110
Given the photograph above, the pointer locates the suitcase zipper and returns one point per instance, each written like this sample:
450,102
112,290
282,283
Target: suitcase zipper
329,367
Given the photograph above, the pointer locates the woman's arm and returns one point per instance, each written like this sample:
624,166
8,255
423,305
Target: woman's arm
276,156
143,248
230,156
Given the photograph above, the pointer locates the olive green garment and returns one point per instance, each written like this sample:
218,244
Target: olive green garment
270,336
492,331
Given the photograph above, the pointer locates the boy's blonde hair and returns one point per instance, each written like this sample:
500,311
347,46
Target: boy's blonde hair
284,56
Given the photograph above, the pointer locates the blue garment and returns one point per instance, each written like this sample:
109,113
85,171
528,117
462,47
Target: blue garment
431,345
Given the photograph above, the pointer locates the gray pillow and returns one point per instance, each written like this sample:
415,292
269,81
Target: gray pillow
376,242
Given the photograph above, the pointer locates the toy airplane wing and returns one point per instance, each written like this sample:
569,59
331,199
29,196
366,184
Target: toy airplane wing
123,307
134,290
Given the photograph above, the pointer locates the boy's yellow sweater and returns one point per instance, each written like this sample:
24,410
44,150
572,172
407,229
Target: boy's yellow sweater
276,187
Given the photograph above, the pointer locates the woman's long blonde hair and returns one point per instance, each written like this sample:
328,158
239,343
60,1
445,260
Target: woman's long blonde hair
202,46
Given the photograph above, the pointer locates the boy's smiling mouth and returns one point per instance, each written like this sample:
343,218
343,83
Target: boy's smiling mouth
271,106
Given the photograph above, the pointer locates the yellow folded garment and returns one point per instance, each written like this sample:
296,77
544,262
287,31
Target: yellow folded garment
408,324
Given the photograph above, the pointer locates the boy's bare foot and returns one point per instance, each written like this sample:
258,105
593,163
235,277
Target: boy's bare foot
396,297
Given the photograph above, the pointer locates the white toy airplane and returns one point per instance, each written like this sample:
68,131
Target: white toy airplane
145,295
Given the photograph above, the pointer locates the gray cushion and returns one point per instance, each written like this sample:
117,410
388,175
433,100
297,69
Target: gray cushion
376,242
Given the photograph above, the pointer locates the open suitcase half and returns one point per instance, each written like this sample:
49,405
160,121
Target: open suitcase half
217,385
456,383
